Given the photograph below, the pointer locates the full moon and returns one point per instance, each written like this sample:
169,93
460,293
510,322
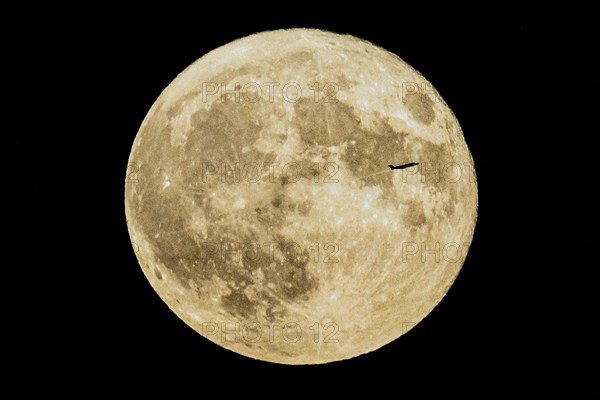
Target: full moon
300,196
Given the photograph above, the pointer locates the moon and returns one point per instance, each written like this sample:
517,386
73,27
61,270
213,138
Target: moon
262,208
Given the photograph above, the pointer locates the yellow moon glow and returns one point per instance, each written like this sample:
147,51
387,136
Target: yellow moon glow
262,209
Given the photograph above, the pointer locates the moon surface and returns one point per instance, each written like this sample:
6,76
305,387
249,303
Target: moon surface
262,210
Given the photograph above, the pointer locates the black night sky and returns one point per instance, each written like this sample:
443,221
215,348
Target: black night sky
524,89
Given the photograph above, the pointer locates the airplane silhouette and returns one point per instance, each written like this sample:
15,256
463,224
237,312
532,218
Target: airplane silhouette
403,165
